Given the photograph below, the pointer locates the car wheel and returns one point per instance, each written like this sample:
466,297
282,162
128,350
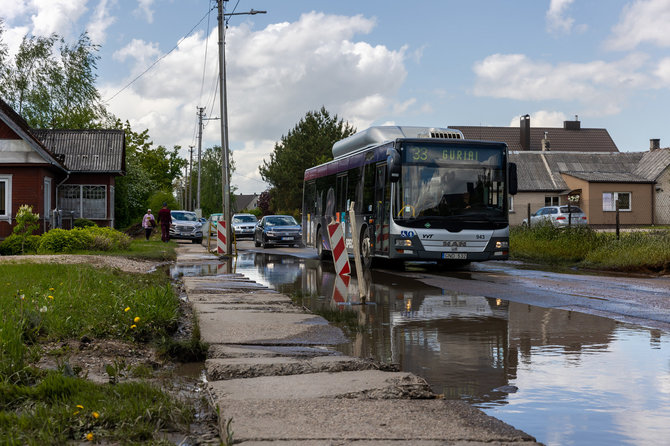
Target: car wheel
264,243
256,242
320,251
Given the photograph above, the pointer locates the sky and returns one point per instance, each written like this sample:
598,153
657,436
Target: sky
428,63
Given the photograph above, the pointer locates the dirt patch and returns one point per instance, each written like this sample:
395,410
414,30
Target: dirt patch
122,263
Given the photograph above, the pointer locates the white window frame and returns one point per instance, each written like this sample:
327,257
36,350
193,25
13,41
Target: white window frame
7,180
551,199
610,199
80,208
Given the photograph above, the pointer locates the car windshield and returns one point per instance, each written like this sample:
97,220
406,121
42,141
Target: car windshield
281,221
573,209
244,219
184,216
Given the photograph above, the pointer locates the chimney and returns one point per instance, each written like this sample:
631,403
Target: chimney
572,125
525,132
654,144
546,144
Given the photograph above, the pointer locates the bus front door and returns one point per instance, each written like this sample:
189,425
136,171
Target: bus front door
382,204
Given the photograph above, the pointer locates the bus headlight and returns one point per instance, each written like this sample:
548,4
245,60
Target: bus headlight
502,244
403,242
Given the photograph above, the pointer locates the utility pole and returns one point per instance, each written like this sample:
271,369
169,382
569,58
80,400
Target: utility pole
223,104
201,113
190,182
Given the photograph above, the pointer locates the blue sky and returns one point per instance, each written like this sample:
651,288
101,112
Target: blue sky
371,62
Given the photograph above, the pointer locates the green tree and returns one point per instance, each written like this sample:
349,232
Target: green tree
307,145
51,84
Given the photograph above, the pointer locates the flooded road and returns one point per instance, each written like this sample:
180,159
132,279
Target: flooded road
562,376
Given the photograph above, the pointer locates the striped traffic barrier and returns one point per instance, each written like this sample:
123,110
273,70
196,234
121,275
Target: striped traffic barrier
221,237
340,255
341,289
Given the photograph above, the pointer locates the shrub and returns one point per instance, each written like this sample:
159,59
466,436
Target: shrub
61,240
18,244
83,223
547,243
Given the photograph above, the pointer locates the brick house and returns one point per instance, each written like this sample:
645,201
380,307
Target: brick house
72,171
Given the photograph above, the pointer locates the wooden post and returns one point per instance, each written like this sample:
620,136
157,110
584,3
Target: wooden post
617,219
528,215
357,252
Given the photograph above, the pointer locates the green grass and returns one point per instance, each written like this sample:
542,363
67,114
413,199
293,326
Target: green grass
59,302
646,251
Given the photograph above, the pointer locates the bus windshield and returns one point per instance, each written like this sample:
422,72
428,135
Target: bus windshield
442,184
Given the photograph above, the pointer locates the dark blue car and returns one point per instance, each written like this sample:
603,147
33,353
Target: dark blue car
277,230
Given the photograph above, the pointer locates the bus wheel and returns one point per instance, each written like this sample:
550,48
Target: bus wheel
366,249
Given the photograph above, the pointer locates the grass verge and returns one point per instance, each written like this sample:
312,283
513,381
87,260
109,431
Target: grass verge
58,302
647,251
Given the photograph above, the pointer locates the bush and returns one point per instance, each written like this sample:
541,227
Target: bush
91,238
18,244
83,223
547,243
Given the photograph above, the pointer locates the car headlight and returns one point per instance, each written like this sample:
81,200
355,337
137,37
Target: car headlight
502,244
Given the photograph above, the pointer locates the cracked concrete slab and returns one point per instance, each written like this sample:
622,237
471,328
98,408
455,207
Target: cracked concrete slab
271,351
231,368
373,422
220,326
262,297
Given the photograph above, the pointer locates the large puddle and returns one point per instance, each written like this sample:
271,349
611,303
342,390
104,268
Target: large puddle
563,377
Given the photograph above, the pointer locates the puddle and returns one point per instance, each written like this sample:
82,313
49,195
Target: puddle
561,376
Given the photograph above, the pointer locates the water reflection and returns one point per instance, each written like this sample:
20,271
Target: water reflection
564,377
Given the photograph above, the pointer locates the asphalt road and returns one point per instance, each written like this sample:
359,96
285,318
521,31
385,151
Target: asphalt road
643,301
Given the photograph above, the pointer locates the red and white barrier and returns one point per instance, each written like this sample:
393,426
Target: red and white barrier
221,242
340,256
341,289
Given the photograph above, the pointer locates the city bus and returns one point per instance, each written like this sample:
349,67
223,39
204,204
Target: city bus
419,194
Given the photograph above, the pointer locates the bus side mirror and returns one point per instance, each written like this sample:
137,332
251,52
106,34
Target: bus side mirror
513,179
393,163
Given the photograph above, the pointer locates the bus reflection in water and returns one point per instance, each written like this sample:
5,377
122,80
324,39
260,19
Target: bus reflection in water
418,194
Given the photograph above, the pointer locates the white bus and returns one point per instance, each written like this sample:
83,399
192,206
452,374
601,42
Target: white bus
419,194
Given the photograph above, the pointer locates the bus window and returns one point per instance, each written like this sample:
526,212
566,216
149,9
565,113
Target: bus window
368,188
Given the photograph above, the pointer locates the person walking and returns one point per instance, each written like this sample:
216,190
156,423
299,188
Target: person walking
148,223
165,219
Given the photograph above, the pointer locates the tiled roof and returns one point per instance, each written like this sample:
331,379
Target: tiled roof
541,171
653,163
609,177
561,140
87,150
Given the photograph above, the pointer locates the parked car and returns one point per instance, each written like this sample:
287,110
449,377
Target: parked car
559,216
244,225
185,226
277,230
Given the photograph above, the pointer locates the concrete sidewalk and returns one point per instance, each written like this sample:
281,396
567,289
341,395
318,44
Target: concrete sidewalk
273,372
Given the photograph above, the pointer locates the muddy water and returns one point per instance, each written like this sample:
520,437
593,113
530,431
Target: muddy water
563,377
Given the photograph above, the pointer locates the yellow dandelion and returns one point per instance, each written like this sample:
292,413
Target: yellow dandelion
95,415
52,289
50,296
133,326
76,413
89,436
137,319
127,309
79,406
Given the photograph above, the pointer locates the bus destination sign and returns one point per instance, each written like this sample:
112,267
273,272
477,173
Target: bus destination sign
442,154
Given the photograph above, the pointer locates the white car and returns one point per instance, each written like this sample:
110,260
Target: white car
559,216
243,225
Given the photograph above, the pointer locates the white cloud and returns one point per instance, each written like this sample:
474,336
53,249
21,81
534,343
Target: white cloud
11,9
557,21
144,9
274,76
57,16
643,21
601,86
100,21
542,118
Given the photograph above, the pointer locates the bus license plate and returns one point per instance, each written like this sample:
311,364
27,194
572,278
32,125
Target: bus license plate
455,255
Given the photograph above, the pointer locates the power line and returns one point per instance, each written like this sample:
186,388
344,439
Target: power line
159,59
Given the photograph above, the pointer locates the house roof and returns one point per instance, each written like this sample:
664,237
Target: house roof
653,163
243,201
87,150
609,177
541,171
19,126
561,139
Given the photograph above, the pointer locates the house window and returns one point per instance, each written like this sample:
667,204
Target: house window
610,199
5,197
84,201
551,200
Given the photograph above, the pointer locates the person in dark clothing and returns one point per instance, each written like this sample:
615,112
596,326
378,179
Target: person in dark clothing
165,219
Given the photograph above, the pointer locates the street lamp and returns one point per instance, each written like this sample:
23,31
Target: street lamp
223,103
